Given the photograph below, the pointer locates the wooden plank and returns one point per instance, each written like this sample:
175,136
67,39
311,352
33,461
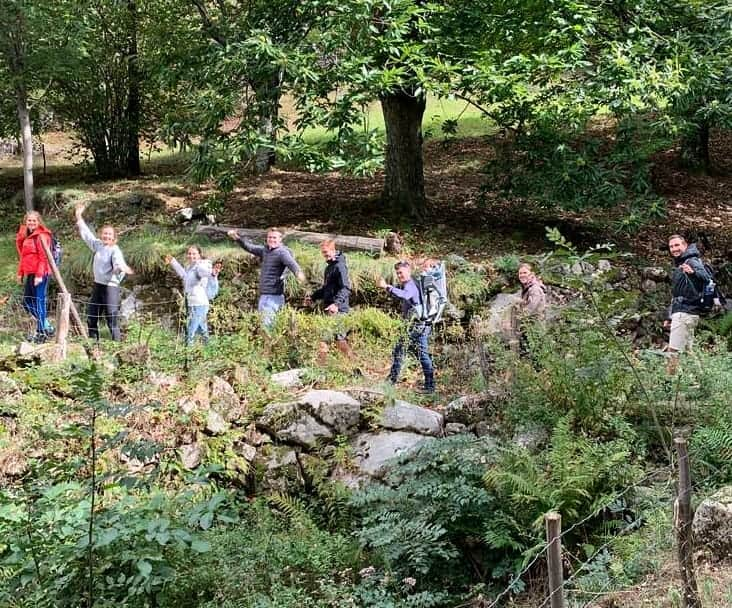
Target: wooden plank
343,242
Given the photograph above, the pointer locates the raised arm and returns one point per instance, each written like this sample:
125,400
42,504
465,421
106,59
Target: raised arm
176,266
86,234
246,244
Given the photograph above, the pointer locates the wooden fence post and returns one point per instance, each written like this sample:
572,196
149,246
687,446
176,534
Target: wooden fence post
554,559
684,518
62,324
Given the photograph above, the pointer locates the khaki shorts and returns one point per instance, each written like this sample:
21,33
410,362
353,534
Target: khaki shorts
682,331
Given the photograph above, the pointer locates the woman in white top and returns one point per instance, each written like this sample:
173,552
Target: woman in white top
109,268
196,276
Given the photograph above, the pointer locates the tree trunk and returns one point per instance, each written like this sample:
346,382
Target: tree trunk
133,98
267,95
403,163
695,148
27,135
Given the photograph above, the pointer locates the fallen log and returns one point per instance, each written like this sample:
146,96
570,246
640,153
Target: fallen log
374,246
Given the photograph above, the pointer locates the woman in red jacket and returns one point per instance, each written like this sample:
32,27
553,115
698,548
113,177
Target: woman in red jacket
34,268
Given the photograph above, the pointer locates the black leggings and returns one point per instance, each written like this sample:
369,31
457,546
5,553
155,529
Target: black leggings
104,301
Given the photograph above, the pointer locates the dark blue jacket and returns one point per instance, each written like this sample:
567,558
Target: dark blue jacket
686,289
336,287
274,263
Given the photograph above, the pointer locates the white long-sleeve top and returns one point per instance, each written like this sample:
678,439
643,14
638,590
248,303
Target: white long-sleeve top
195,279
108,264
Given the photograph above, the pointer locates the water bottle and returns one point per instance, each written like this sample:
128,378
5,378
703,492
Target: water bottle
708,294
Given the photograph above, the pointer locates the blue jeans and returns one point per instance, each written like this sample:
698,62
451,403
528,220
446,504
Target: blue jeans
416,340
269,305
34,301
197,323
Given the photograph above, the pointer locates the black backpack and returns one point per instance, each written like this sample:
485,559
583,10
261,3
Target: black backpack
710,296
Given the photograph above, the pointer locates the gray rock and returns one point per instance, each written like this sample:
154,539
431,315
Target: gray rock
187,405
470,409
455,262
25,348
246,451
368,396
190,455
278,469
225,400
604,265
291,424
292,378
403,416
373,451
655,273
483,429
582,268
712,524
500,313
648,285
305,431
338,410
455,428
215,423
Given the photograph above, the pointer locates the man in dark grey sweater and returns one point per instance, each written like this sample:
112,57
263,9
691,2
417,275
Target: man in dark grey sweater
276,258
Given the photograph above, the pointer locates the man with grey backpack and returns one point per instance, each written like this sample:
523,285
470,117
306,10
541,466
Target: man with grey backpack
423,302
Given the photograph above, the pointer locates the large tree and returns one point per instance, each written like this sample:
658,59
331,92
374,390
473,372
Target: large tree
100,81
230,63
15,39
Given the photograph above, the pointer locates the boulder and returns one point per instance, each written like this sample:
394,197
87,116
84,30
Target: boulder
367,396
277,469
455,428
604,265
579,269
712,524
292,378
225,400
246,451
215,423
290,423
499,320
655,273
470,409
201,394
403,416
338,410
373,451
648,285
190,455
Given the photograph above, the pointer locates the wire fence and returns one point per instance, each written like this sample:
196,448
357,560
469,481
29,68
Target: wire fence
19,311
586,565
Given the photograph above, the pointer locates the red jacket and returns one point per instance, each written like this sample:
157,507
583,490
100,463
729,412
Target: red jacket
32,257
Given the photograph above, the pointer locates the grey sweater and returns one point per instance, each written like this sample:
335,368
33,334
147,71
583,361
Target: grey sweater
195,279
274,263
108,263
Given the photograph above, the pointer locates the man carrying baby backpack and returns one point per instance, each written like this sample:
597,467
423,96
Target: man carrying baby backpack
423,302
